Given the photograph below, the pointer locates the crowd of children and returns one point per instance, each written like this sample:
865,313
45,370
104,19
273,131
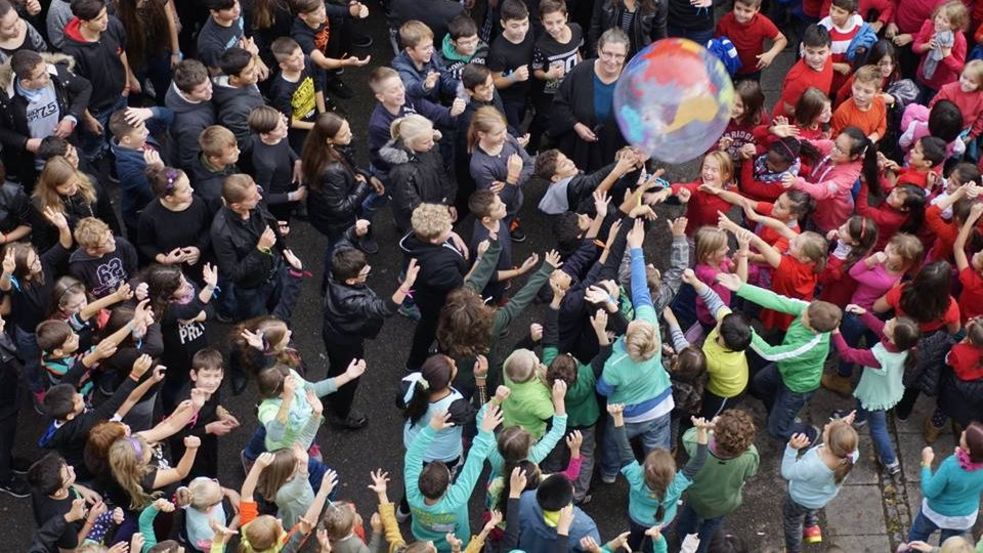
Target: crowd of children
842,227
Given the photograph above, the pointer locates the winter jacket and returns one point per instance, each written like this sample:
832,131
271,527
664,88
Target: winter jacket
71,91
189,120
234,242
333,204
415,178
131,168
646,26
207,182
442,269
234,105
381,120
535,534
353,313
413,79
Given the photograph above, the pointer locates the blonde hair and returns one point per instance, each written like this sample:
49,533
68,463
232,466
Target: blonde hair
484,120
200,494
90,232
339,519
215,139
708,240
262,534
430,221
413,32
410,129
956,544
975,70
641,340
842,442
956,12
725,163
128,468
814,247
57,171
908,247
868,74
522,365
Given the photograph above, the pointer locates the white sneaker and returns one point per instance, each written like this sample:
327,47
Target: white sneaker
401,516
609,479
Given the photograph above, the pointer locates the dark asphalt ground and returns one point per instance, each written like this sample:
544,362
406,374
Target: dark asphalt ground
354,454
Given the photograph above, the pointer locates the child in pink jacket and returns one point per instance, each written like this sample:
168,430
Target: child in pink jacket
832,179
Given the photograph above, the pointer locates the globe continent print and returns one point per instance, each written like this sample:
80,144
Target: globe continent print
673,100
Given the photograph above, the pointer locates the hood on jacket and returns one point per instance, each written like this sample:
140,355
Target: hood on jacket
177,102
449,53
394,153
73,33
555,201
51,59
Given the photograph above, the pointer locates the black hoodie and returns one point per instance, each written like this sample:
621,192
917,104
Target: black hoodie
99,61
234,105
442,269
189,120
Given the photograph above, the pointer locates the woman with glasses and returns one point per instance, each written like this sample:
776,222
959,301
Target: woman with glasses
583,123
174,229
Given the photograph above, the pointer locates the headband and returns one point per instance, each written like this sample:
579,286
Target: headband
787,149
137,447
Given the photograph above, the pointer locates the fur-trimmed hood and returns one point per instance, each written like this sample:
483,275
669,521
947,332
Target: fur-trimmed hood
51,59
394,153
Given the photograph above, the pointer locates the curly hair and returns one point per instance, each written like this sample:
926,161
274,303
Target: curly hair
464,325
734,432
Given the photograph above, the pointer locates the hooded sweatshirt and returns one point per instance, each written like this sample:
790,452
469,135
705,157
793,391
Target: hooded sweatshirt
234,105
99,61
190,118
103,275
537,533
832,187
455,61
442,269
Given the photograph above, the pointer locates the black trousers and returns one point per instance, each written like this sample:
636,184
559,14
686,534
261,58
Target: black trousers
339,357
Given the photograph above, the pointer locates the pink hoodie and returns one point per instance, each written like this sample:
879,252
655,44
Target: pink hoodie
832,188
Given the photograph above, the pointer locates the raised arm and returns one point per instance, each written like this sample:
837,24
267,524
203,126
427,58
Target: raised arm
771,256
959,247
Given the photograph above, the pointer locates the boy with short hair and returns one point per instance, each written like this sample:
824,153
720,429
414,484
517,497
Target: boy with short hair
225,29
843,24
815,69
747,28
319,31
510,58
796,366
555,53
423,74
297,90
135,150
236,94
190,98
217,160
60,355
926,158
102,261
353,313
213,420
276,167
55,493
865,109
97,40
570,189
489,210
461,46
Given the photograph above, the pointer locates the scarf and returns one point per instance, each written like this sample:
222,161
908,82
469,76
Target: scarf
965,462
944,39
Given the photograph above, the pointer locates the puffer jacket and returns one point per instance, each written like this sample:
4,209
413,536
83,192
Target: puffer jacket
646,27
415,178
333,205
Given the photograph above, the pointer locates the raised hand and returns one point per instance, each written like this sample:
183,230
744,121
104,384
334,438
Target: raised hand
441,421
355,369
636,236
517,482
380,481
798,441
552,259
264,460
493,418
730,281
502,394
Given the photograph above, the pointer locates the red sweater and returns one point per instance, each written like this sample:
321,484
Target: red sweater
910,14
801,77
950,66
702,208
888,219
945,234
970,105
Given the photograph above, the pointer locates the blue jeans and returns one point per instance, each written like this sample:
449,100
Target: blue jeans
922,528
852,329
688,521
95,146
655,433
783,405
877,420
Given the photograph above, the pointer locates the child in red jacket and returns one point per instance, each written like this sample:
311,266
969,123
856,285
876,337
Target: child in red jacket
942,46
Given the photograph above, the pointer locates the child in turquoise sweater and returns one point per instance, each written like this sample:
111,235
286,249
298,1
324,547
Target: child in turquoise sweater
634,375
814,479
880,386
951,496
655,487
787,383
439,507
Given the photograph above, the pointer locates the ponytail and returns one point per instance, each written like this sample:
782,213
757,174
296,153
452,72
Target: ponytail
416,400
870,172
914,202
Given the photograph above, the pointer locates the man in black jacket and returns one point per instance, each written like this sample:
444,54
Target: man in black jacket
236,95
39,99
190,96
353,313
248,248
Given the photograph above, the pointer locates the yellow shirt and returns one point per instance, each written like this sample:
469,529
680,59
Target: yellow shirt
727,370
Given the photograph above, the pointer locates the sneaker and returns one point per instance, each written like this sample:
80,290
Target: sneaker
354,421
401,515
19,466
16,487
340,89
368,245
247,465
361,40
812,534
412,312
838,384
517,234
893,469
608,478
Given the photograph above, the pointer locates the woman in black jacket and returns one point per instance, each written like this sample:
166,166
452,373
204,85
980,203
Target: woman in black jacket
417,175
338,191
67,190
645,21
